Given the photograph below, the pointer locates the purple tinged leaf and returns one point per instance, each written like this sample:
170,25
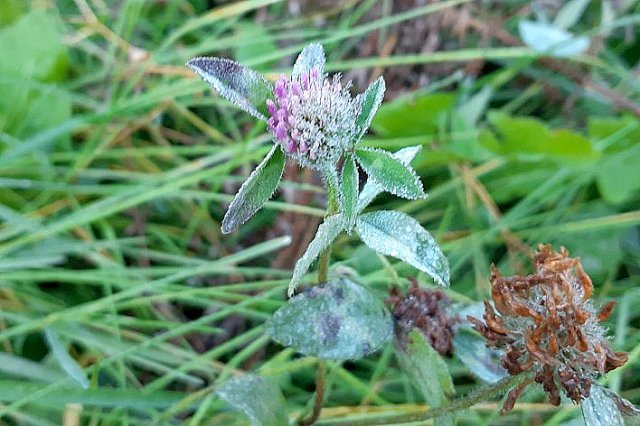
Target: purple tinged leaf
255,191
240,85
310,57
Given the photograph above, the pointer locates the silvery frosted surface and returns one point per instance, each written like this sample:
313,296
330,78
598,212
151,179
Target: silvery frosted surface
326,233
259,399
600,410
337,320
394,176
311,56
398,235
244,87
370,101
371,189
349,192
481,361
255,191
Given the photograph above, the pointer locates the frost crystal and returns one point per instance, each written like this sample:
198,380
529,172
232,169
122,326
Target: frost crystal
313,118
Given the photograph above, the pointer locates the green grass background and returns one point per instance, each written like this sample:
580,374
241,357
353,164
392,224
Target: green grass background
116,164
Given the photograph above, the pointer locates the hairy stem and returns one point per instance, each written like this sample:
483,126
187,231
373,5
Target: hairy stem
468,401
317,403
332,207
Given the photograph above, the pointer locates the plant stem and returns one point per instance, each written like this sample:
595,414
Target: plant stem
317,404
470,400
332,207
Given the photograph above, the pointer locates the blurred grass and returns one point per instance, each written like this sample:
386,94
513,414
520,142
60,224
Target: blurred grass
115,164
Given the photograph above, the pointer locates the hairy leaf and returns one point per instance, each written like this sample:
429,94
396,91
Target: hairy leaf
481,361
426,367
600,410
256,190
256,397
398,235
349,191
326,233
244,87
370,101
337,320
390,173
311,56
371,188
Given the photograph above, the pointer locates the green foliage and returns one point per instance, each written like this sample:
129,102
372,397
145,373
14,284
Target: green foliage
30,103
349,191
255,191
426,368
256,397
337,320
410,116
398,235
390,173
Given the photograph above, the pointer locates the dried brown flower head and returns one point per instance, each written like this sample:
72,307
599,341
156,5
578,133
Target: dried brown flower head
546,324
425,310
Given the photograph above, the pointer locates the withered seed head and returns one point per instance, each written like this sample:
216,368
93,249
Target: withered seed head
546,324
425,310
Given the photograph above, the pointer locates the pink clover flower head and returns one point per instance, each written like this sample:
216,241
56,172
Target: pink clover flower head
313,118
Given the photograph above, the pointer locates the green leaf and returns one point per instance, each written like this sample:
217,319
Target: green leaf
326,233
337,320
35,47
426,367
396,234
600,410
390,173
617,175
370,101
481,361
413,116
371,188
349,191
311,56
529,137
240,85
68,364
256,397
256,190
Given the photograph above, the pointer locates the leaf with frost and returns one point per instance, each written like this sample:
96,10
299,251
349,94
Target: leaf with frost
326,233
481,361
244,87
396,234
349,191
370,101
547,39
372,188
256,397
599,409
68,364
337,320
394,176
426,367
311,56
255,191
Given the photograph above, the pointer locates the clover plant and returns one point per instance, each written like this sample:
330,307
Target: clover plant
316,122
